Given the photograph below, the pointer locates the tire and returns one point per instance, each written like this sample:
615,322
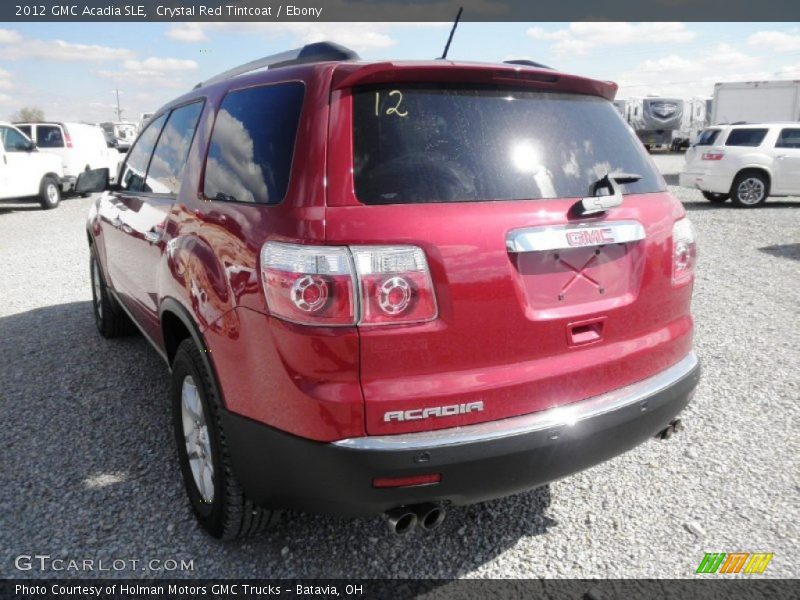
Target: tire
716,198
750,189
109,317
217,499
49,192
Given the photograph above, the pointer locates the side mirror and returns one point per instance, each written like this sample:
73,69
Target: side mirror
29,146
95,180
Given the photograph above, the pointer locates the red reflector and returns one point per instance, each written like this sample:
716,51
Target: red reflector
388,482
713,156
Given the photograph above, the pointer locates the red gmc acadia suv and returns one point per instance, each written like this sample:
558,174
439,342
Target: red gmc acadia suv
387,287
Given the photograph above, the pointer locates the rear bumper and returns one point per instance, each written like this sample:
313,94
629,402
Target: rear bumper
719,184
476,462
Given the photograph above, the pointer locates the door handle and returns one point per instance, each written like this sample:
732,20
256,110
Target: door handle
153,237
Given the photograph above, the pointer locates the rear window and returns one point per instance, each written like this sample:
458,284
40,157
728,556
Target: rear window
789,138
250,154
745,137
708,137
416,144
49,136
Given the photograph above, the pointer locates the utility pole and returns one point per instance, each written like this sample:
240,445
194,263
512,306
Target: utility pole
119,110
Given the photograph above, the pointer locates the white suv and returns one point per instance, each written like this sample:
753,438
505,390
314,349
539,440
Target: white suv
745,163
24,171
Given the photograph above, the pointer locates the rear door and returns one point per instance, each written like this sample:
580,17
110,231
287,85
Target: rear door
539,305
135,215
787,161
51,137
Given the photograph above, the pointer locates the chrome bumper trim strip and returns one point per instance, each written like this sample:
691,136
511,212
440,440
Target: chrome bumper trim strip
560,416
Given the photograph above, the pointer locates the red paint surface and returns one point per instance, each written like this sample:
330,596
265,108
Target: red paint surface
502,335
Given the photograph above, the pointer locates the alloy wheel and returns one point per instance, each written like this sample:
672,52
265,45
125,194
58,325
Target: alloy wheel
751,191
196,437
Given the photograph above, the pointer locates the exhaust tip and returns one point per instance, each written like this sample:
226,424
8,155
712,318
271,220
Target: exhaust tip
430,516
433,519
674,427
401,520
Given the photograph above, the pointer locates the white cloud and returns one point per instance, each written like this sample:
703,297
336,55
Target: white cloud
788,72
671,63
22,48
9,36
160,64
675,75
582,36
5,80
187,32
725,55
152,71
780,41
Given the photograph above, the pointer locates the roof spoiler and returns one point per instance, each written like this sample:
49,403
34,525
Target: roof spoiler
310,53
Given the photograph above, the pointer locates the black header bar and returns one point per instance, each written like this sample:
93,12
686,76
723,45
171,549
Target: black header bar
398,10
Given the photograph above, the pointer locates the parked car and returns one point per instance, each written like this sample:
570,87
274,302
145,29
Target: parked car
81,147
123,132
387,287
746,163
26,172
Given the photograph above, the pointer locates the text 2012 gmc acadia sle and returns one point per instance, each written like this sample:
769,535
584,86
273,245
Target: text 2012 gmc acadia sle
387,287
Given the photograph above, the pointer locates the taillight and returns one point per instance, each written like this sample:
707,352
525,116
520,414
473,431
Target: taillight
67,138
339,285
712,156
312,285
684,251
394,284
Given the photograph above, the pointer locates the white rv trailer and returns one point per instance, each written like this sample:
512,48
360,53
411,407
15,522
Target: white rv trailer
655,119
696,117
756,102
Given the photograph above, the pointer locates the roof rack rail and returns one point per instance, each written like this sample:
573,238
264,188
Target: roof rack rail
310,53
527,63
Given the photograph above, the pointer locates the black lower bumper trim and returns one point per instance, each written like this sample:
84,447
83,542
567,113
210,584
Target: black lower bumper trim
284,471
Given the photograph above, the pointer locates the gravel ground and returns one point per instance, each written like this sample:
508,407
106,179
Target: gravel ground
89,469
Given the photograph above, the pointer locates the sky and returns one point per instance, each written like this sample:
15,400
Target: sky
71,70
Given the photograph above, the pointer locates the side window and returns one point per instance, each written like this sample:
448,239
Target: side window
49,136
13,140
745,137
26,129
789,138
135,168
250,154
169,158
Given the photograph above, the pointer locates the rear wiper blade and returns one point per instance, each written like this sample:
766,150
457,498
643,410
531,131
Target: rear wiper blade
613,196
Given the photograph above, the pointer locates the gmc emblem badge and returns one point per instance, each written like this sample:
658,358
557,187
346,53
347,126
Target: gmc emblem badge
590,237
